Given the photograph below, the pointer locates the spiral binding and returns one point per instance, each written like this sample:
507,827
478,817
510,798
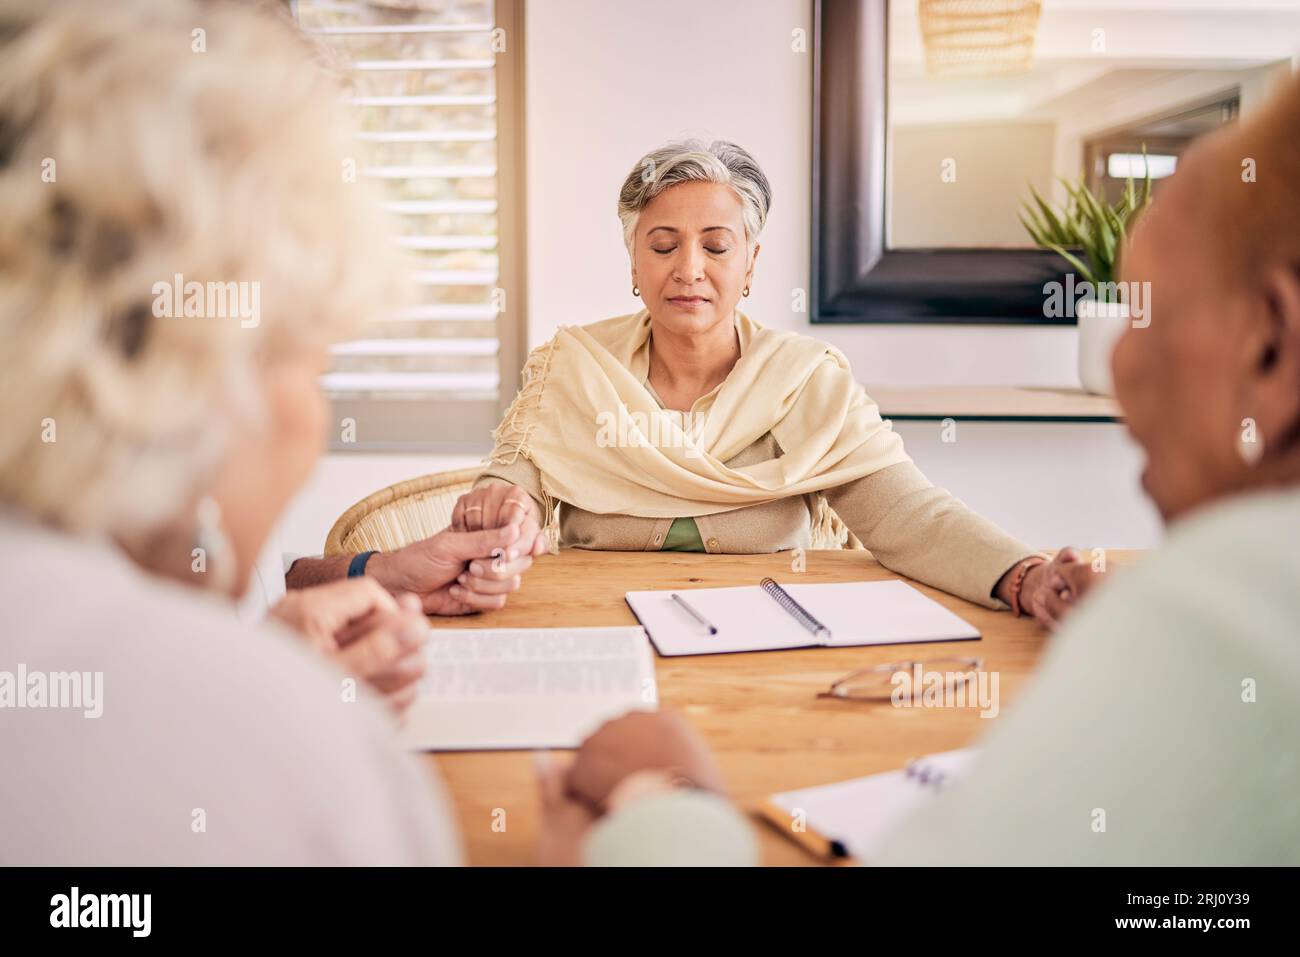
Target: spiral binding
793,608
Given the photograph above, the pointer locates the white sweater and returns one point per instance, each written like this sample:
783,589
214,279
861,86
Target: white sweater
218,743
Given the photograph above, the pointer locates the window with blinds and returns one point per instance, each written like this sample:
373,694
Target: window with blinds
438,86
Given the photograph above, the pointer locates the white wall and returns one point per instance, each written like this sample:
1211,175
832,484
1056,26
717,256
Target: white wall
979,204
1064,483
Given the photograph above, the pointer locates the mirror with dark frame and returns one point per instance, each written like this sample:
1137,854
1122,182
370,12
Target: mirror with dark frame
934,118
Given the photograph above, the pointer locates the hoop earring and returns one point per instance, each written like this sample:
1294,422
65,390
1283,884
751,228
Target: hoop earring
212,545
635,290
745,292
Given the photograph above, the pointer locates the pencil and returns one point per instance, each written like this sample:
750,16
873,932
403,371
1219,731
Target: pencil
814,843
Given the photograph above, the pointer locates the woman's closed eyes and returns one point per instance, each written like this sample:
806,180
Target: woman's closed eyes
708,249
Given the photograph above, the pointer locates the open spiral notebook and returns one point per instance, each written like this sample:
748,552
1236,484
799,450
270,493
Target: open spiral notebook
771,616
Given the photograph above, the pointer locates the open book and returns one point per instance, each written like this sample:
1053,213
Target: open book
769,616
514,688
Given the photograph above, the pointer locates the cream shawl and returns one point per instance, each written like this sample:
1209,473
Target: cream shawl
602,442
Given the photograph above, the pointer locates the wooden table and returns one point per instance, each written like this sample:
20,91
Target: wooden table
759,711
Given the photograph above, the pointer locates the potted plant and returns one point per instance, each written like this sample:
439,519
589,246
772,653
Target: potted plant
1091,225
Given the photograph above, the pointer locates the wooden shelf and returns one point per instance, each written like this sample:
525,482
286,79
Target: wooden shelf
994,404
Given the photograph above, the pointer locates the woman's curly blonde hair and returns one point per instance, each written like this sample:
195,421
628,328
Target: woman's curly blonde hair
139,142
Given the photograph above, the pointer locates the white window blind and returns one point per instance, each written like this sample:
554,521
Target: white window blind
426,80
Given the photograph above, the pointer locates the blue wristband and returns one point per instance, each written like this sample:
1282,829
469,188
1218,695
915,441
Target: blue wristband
357,567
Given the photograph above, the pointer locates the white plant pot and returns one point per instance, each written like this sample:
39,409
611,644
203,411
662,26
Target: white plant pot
1100,326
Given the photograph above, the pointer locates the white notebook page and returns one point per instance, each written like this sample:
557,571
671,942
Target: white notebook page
864,812
749,619
879,613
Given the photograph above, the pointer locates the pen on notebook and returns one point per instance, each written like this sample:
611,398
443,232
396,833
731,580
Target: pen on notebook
704,622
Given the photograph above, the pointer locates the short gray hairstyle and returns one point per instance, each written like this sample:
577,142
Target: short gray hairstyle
685,161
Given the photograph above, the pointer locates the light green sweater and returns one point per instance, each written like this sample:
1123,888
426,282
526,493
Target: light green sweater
1163,728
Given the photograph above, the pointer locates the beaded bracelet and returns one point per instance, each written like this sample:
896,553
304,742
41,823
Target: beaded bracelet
1018,580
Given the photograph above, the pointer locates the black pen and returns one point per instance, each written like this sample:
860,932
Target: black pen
695,614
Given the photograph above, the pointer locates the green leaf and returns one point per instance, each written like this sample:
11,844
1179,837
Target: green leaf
1035,232
1056,231
1128,215
1105,263
1146,193
1102,252
1078,207
1115,221
1076,262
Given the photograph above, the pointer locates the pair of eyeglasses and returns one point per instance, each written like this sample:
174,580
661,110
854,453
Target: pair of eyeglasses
878,683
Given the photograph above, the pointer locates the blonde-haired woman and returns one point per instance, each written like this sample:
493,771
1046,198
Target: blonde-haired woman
146,451
689,426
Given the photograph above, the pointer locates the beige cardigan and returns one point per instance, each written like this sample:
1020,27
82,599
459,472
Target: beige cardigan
910,526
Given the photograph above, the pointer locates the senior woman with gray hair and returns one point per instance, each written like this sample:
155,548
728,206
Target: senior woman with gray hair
689,426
